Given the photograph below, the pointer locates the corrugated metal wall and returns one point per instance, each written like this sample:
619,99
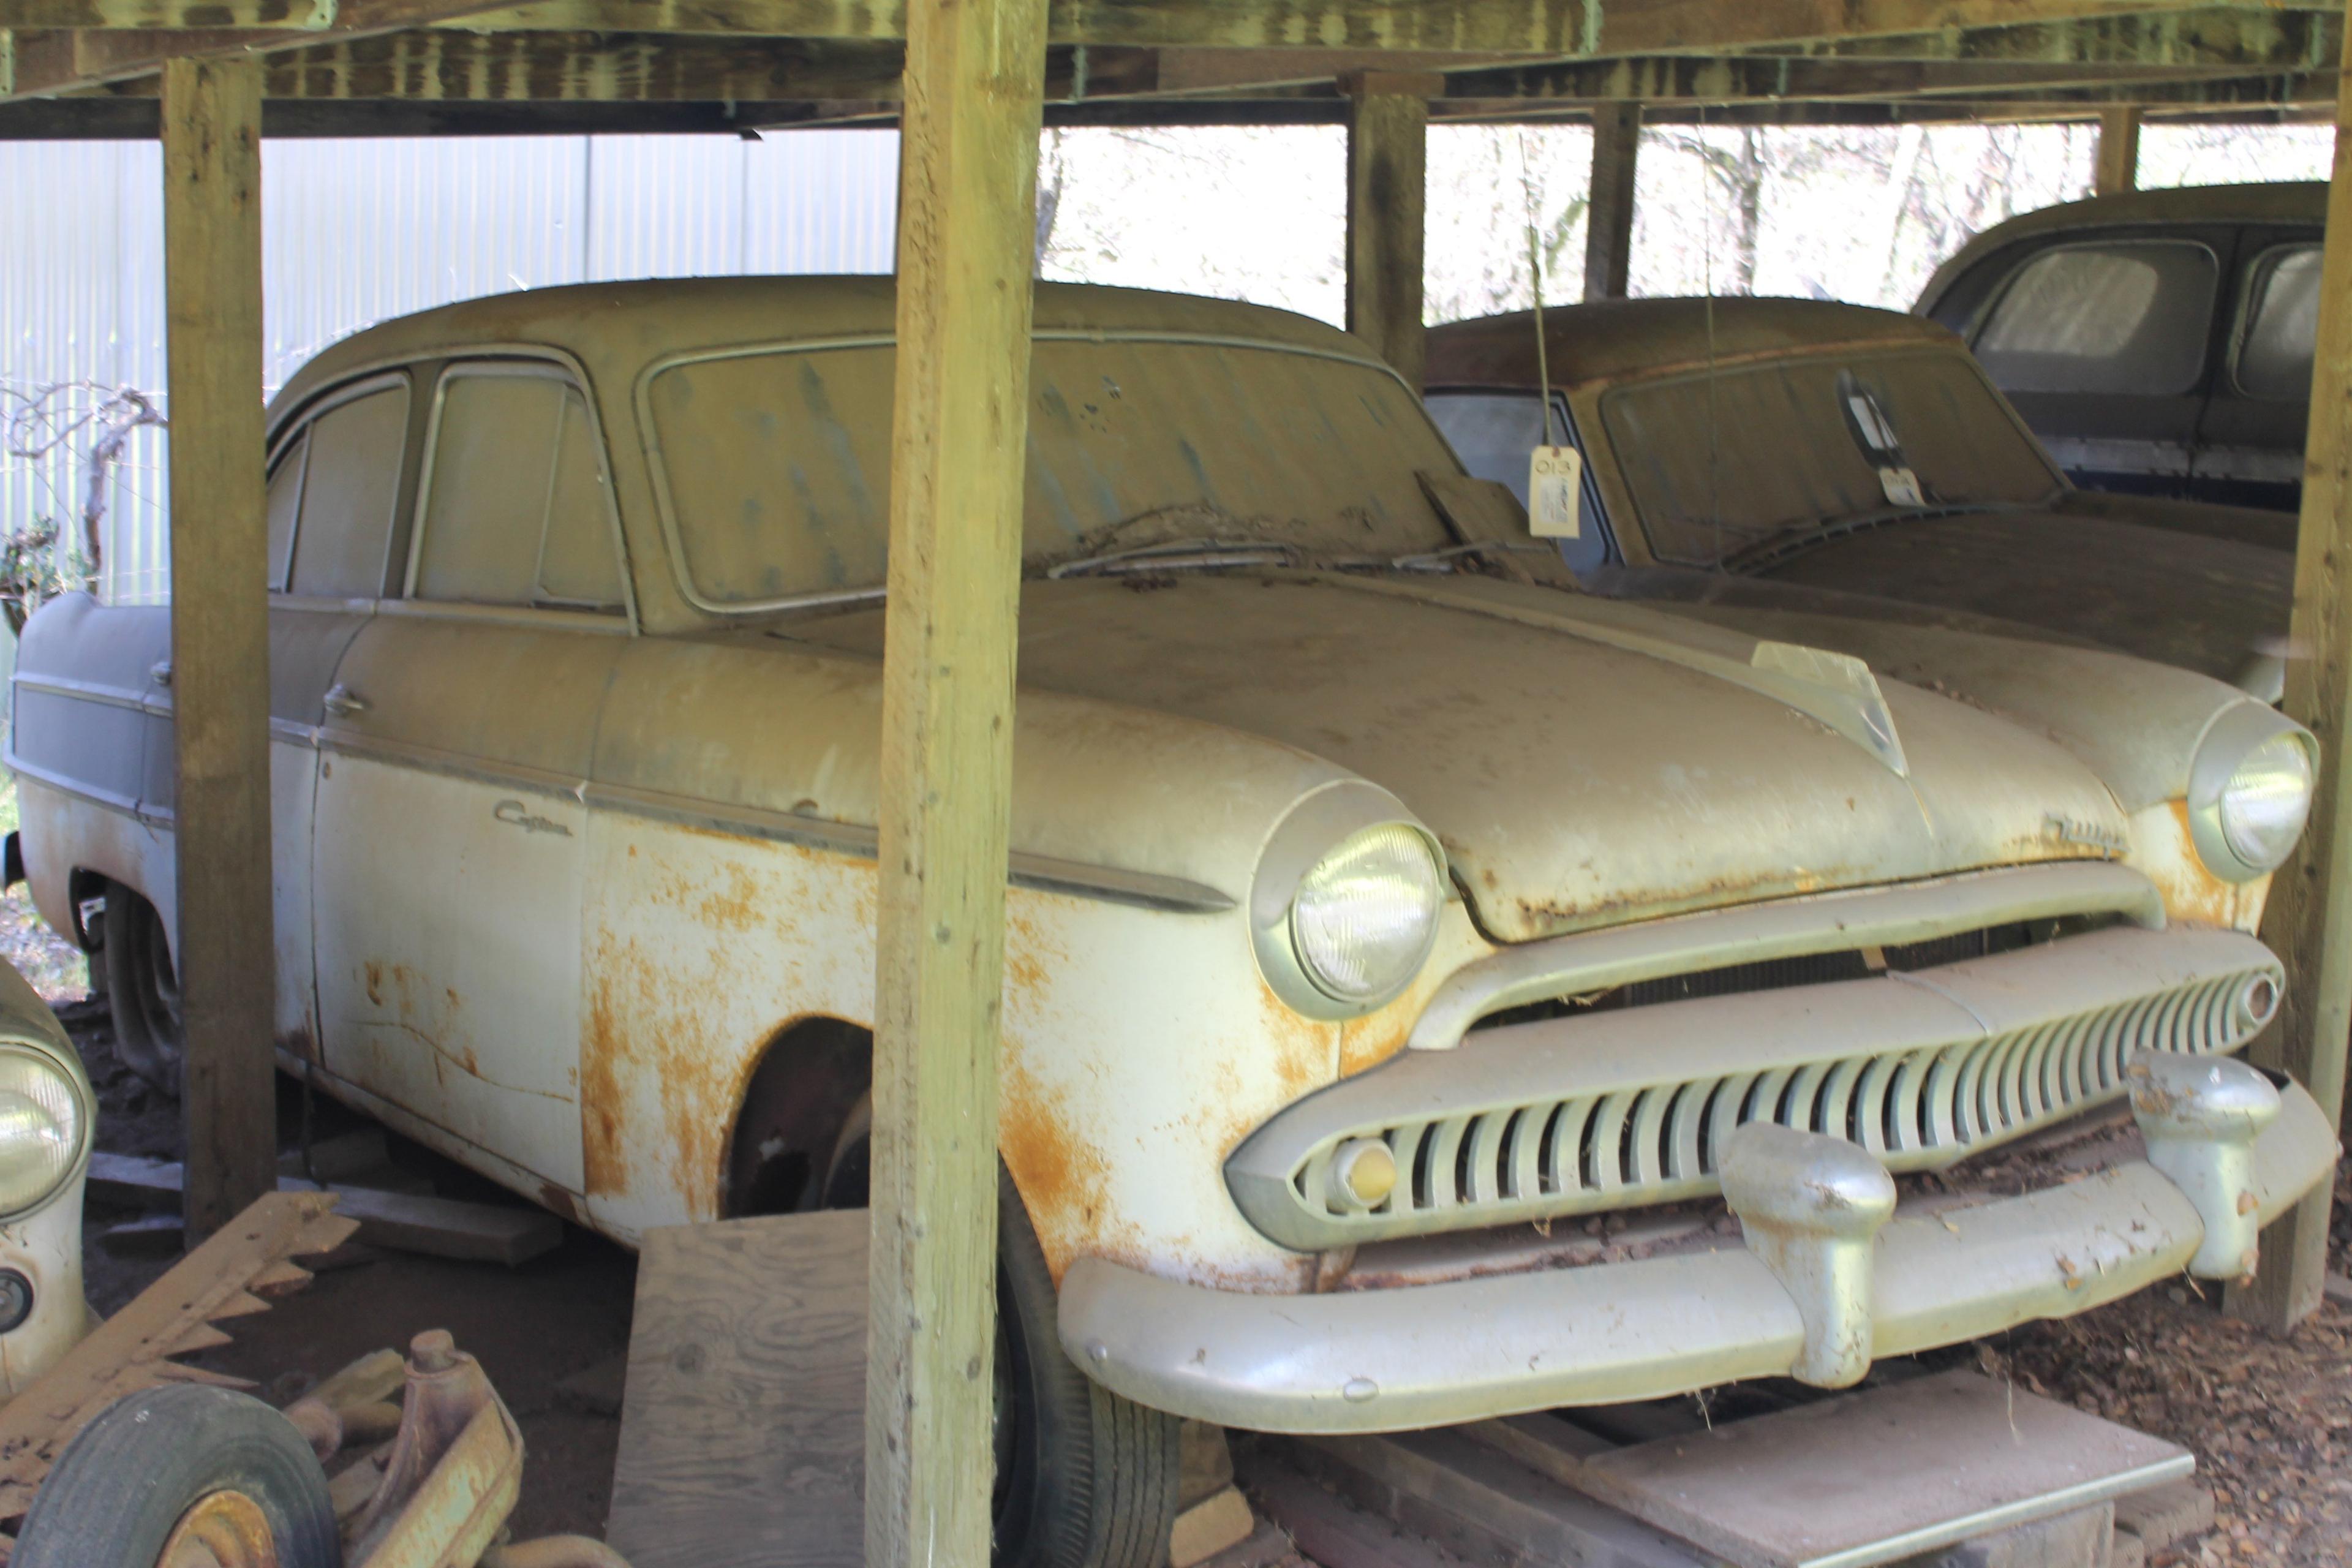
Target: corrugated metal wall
353,232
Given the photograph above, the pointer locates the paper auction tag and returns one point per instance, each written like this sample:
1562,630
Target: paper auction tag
1901,487
1555,486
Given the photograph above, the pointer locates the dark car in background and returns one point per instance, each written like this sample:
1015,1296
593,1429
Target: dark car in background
2158,341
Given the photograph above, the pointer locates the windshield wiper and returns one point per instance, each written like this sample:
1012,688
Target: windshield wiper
1800,537
1450,558
1172,553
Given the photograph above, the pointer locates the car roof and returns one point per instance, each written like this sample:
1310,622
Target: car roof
616,330
2283,201
1612,338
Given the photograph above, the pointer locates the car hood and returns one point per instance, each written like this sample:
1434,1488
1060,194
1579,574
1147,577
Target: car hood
2214,605
1582,761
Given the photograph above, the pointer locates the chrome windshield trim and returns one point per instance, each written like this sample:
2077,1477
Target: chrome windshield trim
1783,928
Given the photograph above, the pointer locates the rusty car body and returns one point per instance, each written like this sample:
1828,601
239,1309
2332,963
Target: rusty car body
1384,932
1759,451
2158,341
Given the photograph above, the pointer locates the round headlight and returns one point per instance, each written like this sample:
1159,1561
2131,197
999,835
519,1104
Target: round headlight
2266,800
41,1130
1365,915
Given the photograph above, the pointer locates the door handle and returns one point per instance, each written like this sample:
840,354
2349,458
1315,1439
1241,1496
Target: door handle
342,701
159,672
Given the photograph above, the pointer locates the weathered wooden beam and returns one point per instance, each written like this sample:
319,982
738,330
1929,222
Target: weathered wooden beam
1388,157
220,633
2118,167
2233,37
1609,212
1737,79
440,65
1553,27
2309,922
967,247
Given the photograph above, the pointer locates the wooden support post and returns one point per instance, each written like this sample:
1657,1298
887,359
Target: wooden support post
220,631
2119,168
967,242
1609,215
2308,921
1388,136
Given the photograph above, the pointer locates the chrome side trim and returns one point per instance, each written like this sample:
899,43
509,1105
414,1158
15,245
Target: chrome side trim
89,691
1038,873
450,764
76,789
1431,1355
1614,1110
1783,928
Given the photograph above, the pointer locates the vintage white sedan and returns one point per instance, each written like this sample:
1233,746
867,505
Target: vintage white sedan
1375,904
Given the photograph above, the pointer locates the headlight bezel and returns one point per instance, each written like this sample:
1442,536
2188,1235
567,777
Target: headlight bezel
2236,733
1307,835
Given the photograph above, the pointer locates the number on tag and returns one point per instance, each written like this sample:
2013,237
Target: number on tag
1554,487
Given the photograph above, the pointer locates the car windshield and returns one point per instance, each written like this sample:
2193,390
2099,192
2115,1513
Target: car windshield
1718,462
774,462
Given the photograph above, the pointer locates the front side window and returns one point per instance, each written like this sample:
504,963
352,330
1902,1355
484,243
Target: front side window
2280,333
2121,316
285,503
514,510
349,478
1493,432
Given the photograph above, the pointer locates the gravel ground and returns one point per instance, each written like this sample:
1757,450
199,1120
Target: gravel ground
2270,1419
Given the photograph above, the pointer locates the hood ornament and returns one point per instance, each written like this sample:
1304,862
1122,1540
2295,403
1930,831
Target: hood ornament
1836,688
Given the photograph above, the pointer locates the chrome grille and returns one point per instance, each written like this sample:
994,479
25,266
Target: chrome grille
1613,1135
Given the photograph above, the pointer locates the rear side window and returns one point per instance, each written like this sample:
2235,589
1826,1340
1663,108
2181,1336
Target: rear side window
515,499
1494,433
2280,330
350,476
2124,316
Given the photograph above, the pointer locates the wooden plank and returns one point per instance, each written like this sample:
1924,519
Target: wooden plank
1609,213
1654,80
1388,134
1889,1473
2308,921
436,1228
2118,168
126,1353
444,66
967,247
2232,38
743,1434
220,632
1553,27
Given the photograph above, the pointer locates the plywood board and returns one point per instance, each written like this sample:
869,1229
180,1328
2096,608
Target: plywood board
743,1432
1873,1477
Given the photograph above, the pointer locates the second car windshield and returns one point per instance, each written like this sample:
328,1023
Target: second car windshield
1718,462
775,461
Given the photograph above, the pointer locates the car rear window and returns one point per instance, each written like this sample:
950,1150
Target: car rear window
2121,316
1716,462
774,463
2281,330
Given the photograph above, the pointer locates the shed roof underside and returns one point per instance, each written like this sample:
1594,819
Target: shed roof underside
89,67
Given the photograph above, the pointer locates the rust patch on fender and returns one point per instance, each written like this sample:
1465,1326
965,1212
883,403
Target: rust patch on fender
1061,1177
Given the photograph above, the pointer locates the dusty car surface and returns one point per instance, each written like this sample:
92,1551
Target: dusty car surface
1831,447
2158,341
47,1116
1369,912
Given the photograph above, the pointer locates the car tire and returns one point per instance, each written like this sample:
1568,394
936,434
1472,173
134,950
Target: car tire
1084,1478
182,1457
143,986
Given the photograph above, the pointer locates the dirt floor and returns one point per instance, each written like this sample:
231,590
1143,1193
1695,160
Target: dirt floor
532,1326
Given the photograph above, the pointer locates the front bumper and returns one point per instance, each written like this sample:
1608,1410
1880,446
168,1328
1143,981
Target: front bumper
1392,1360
